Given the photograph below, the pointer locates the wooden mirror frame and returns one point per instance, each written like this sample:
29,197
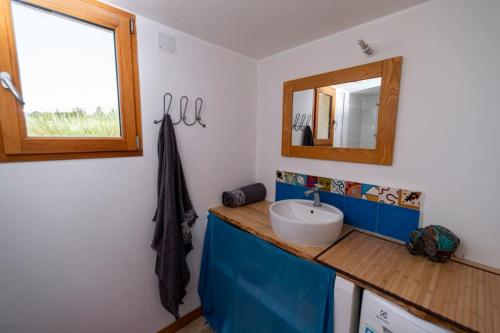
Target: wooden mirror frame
390,71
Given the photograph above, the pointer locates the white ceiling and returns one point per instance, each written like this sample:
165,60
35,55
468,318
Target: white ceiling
259,28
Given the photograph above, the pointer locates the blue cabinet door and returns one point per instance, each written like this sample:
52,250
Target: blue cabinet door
249,285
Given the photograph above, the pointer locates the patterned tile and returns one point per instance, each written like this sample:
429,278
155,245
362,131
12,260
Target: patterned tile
311,180
280,176
300,179
388,195
410,199
353,189
295,178
289,177
326,184
338,186
369,192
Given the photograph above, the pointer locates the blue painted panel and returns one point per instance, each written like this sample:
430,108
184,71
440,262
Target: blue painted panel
282,191
397,222
297,192
388,220
287,191
361,213
333,199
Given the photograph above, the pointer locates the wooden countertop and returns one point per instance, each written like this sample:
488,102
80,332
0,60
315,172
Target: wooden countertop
459,294
254,218
463,295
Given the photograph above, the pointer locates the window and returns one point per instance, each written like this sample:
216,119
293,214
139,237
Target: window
69,81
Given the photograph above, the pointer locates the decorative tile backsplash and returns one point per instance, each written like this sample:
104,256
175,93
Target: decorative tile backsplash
374,193
353,189
388,195
369,192
338,186
388,211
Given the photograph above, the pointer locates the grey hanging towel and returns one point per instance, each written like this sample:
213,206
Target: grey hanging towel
174,217
307,139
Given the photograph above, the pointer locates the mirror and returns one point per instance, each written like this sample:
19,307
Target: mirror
341,115
346,115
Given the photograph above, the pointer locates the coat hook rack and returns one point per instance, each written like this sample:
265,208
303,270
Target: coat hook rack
301,121
198,110
183,111
166,109
183,107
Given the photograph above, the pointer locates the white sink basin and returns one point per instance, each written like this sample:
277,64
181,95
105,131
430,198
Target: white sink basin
299,222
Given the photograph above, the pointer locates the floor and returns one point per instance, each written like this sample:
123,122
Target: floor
197,326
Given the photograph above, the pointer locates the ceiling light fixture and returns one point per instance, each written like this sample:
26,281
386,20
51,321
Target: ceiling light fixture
366,48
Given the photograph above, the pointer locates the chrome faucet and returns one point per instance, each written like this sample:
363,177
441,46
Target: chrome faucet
315,191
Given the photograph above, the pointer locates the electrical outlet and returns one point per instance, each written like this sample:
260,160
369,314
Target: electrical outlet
166,43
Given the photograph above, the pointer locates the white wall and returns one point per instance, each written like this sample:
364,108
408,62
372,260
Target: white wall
75,236
353,118
369,121
303,104
450,54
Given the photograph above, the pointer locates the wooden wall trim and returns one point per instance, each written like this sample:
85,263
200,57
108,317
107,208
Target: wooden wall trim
182,321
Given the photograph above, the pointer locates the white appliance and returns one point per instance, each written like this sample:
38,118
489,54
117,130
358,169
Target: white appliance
346,306
381,316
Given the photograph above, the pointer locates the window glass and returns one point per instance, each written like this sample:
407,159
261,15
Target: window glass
68,75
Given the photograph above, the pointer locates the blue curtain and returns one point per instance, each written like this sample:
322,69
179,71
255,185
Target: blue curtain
249,285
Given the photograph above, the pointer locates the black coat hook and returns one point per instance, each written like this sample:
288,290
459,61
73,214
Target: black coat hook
184,118
166,110
308,121
198,111
183,106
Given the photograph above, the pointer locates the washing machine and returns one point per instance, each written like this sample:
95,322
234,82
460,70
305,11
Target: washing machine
381,316
347,301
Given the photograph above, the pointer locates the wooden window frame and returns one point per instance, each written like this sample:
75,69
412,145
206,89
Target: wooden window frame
15,145
328,92
390,71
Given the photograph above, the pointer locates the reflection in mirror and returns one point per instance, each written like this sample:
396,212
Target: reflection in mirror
343,115
325,114
303,107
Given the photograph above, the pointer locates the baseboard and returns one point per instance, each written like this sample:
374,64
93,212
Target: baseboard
182,321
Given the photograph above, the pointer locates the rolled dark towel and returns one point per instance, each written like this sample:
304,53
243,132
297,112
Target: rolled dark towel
244,195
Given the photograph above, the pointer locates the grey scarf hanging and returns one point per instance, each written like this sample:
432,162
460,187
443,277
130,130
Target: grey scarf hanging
174,217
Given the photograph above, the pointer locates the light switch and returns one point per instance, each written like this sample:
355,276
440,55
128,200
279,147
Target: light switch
166,43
